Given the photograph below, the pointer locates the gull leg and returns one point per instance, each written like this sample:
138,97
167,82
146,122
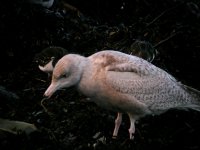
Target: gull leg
132,126
118,121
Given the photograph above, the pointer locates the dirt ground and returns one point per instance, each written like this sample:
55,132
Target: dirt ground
172,27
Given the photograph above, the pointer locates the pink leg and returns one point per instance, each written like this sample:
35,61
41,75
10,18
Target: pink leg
118,121
132,126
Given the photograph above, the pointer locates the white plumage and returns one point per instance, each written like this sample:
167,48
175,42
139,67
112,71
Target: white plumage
123,83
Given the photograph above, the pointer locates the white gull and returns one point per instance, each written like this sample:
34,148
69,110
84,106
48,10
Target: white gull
123,83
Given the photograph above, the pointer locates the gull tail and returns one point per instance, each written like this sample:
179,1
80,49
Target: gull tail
194,98
192,91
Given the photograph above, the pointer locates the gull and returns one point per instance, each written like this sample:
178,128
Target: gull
123,83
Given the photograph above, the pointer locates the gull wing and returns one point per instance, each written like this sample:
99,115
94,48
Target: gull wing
127,78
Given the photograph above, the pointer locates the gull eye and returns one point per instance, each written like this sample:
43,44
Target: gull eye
64,76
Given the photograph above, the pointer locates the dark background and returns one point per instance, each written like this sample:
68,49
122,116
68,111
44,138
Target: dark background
171,26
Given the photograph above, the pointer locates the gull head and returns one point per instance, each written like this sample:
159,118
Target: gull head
66,73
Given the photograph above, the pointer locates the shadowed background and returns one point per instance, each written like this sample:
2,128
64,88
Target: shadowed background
173,29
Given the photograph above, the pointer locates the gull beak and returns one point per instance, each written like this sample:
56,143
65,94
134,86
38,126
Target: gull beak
50,91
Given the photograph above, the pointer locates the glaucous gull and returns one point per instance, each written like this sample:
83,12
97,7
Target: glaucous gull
122,83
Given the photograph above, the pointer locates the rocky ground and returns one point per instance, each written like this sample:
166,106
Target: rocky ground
69,120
